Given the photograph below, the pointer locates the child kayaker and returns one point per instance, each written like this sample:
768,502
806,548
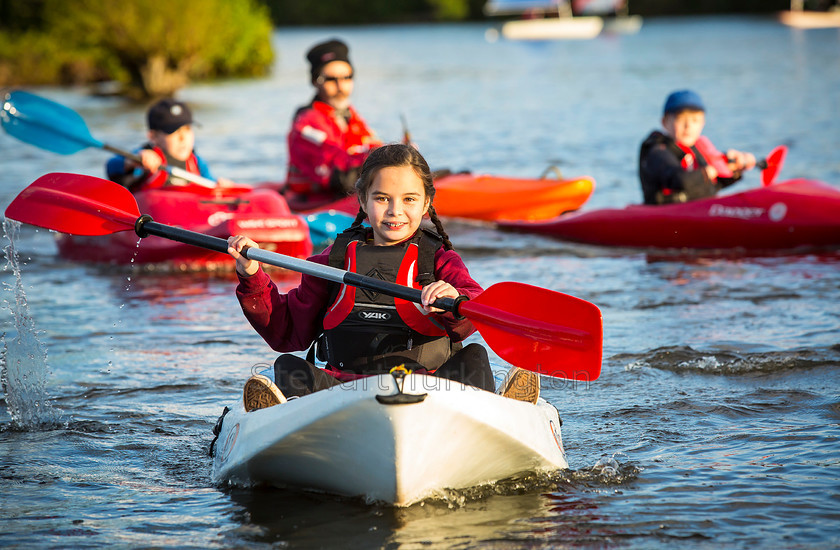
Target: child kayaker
359,332
680,164
171,142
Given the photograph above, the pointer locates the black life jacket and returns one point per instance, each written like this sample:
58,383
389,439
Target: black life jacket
366,332
690,160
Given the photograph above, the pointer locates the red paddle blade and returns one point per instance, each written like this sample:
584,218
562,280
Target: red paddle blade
75,204
540,330
774,161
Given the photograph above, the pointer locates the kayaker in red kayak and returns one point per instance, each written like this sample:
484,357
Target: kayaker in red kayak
171,142
680,164
358,332
328,141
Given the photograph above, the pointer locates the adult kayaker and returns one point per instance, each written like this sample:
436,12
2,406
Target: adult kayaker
171,142
328,141
680,164
358,332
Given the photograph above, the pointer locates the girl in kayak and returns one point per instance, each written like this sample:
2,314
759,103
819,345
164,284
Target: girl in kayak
359,332
680,164
171,142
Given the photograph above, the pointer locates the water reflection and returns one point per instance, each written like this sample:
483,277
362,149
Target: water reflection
558,508
301,519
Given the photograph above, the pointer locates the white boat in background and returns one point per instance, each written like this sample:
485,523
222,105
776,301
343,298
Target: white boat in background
800,18
563,19
389,439
553,28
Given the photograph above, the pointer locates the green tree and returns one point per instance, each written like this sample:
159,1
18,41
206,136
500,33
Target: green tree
452,10
153,47
342,12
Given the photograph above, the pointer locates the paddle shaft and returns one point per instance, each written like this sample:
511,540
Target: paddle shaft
173,170
760,164
146,226
518,321
406,133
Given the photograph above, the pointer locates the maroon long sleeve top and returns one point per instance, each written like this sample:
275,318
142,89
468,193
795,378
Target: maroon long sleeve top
292,321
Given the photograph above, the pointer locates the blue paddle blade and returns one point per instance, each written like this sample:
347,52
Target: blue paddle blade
45,124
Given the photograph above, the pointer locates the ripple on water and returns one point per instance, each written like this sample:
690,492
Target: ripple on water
686,359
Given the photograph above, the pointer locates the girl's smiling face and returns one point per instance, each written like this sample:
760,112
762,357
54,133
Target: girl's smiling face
395,204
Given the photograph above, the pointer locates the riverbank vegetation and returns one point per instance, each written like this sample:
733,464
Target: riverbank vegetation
151,48
342,12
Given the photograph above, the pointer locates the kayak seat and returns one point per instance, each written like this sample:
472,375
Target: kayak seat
260,392
522,385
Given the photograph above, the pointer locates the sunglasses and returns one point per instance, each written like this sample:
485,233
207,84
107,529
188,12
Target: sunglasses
335,79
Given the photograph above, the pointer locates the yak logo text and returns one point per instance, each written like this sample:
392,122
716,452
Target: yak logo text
374,315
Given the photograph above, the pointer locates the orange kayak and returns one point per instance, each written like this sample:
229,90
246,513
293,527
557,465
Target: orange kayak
496,198
486,198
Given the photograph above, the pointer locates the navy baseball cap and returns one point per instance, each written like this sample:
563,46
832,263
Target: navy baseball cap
682,100
167,115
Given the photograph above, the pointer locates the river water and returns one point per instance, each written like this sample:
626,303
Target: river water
713,424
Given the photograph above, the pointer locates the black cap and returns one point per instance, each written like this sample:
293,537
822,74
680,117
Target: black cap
167,115
326,52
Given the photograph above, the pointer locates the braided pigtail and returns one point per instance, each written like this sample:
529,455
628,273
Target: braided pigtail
447,244
360,217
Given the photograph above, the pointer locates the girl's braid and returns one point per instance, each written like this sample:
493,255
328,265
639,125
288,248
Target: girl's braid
447,244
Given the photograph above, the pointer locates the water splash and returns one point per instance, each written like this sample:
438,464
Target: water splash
23,366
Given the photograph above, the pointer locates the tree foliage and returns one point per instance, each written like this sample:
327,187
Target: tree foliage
451,10
339,12
153,47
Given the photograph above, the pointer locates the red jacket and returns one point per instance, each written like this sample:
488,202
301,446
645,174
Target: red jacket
318,145
292,321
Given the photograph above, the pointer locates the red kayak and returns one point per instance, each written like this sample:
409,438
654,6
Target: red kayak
260,214
793,214
483,197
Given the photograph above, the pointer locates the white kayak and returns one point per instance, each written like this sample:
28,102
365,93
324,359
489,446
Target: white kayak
367,438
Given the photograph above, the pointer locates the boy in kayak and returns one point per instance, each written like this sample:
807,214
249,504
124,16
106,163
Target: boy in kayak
171,142
680,164
358,332
328,141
